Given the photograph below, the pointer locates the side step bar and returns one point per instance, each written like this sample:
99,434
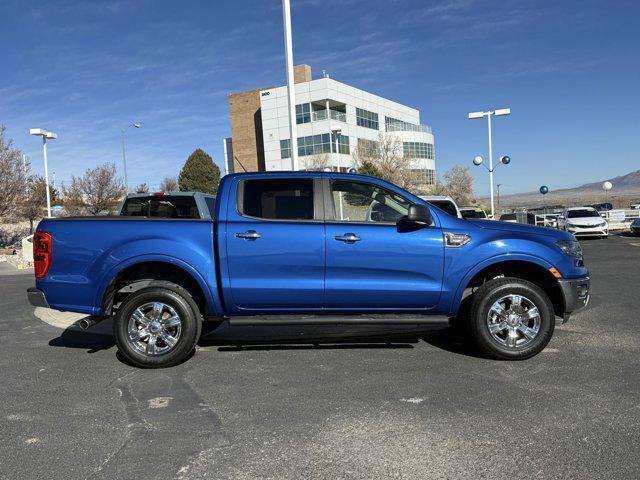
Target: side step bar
434,320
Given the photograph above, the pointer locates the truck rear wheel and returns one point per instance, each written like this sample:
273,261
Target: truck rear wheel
157,326
511,319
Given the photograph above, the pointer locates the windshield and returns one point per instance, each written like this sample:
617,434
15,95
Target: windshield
582,213
446,205
636,222
164,206
473,213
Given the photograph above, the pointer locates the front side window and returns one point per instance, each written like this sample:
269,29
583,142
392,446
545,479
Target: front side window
365,202
278,199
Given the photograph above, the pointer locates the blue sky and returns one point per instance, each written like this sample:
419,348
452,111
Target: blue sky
569,70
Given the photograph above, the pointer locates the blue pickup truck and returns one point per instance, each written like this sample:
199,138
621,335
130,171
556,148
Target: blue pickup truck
308,248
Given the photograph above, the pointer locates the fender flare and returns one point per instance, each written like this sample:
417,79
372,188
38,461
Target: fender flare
505,257
213,304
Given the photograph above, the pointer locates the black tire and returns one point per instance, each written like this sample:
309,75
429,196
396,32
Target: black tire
491,292
173,297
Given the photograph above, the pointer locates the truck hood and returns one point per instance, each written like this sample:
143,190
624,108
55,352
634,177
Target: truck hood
519,228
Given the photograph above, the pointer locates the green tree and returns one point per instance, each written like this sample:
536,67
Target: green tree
199,174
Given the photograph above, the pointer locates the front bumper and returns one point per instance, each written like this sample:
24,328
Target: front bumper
575,293
37,297
588,231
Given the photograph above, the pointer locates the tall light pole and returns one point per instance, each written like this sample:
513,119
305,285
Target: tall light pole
124,155
39,132
291,94
489,114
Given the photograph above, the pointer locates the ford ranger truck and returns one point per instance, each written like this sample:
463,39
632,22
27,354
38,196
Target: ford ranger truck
308,248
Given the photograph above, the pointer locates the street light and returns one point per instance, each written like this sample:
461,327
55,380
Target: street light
124,156
39,132
291,95
475,115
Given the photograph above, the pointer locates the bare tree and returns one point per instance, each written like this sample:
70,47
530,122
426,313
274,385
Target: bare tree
317,161
458,184
142,188
97,191
35,201
385,159
169,184
12,176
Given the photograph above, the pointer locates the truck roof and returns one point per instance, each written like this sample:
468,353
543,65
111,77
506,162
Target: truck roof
158,194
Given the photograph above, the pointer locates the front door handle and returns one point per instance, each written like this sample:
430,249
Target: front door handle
348,238
249,235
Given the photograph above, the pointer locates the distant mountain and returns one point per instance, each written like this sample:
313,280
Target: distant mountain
626,189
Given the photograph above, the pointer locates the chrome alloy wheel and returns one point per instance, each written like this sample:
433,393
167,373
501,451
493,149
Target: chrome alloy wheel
513,321
154,328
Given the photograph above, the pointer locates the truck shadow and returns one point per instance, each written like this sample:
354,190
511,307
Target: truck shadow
93,340
299,337
266,338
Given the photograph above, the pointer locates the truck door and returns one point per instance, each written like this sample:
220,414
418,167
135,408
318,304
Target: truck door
275,249
371,264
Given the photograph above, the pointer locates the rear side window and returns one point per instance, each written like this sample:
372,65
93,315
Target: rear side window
165,206
290,199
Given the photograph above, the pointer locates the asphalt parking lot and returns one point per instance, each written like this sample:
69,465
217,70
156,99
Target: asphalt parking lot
372,404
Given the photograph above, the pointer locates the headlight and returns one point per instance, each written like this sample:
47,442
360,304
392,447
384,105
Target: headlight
570,247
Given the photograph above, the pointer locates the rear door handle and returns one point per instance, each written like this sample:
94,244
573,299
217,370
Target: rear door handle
348,238
249,235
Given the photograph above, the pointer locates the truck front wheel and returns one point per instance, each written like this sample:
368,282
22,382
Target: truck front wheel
157,326
511,319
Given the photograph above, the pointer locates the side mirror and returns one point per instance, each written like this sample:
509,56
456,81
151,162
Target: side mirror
418,215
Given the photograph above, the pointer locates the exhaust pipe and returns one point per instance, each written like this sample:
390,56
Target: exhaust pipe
85,323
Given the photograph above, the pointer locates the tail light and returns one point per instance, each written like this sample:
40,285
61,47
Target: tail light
42,253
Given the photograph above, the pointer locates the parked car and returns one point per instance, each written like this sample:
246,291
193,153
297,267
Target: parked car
168,205
444,203
583,222
473,213
635,227
303,248
513,218
603,207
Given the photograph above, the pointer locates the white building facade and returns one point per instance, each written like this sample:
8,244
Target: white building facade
324,106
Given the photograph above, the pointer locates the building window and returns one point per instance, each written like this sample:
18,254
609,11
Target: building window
424,176
368,148
285,148
418,150
343,144
395,125
315,145
303,113
367,119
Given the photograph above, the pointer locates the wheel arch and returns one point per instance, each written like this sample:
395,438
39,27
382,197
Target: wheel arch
138,272
530,268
